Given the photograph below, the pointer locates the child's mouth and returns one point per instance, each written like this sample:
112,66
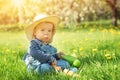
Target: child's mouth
46,37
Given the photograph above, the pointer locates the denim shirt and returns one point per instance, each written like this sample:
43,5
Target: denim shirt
43,53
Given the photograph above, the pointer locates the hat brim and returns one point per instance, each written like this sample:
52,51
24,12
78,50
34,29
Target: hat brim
29,29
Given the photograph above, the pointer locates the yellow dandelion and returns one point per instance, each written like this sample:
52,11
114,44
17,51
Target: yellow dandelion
105,30
119,33
19,47
63,33
91,30
86,39
81,49
7,50
112,31
13,51
94,49
77,30
108,56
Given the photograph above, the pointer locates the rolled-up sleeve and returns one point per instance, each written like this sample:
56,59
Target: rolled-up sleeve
36,53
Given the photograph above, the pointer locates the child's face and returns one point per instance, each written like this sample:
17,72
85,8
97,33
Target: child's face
44,32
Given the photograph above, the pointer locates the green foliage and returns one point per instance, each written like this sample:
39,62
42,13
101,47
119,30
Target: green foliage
12,27
97,49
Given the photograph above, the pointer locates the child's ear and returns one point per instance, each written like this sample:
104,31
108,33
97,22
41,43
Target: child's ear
34,32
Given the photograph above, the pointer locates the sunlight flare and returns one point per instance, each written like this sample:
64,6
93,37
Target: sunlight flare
17,3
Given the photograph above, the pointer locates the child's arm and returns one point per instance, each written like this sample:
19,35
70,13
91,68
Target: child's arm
39,55
58,55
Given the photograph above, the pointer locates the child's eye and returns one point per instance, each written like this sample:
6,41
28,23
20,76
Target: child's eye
49,30
42,29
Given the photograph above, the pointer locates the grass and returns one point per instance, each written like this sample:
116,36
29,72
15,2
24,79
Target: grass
97,48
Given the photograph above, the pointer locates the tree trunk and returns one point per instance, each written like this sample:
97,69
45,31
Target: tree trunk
114,16
112,4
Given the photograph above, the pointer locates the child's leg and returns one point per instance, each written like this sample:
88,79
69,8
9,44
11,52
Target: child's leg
66,67
63,64
43,68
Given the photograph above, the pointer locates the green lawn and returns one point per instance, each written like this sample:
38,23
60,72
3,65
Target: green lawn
97,49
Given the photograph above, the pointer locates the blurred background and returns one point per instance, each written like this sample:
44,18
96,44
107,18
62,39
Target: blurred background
15,14
89,30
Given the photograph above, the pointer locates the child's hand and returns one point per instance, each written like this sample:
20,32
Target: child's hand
54,62
55,66
59,54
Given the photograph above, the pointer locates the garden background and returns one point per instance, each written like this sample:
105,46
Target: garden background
89,30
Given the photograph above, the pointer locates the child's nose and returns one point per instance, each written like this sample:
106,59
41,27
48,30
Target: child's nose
46,32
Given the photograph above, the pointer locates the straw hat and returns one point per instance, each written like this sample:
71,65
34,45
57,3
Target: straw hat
38,19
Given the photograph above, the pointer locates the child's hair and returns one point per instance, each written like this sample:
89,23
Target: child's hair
53,31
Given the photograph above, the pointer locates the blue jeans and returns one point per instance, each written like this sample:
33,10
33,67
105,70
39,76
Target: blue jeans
45,68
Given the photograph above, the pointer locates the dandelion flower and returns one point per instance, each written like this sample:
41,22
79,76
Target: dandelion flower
108,56
19,47
77,30
63,33
118,32
94,50
91,30
86,39
7,50
105,30
13,51
81,49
